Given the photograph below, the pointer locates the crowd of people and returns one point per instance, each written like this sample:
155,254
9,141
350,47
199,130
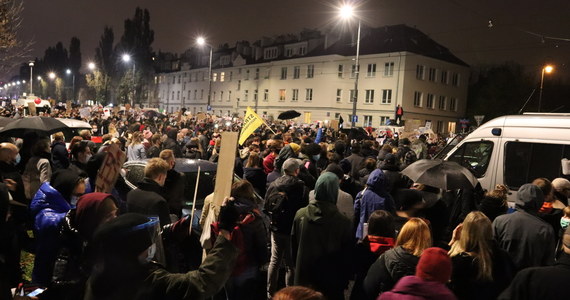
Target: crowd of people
316,214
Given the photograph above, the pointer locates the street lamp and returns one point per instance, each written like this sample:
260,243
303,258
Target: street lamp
202,42
346,12
69,72
51,75
546,69
31,64
126,59
91,66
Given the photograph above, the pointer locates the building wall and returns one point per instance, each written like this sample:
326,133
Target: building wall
395,81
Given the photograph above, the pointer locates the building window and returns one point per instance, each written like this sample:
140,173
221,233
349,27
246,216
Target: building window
282,94
384,120
386,96
389,69
351,96
295,96
214,97
371,70
255,95
296,72
195,94
221,95
246,75
455,79
338,95
308,94
429,101
172,95
310,71
369,97
302,50
289,52
420,74
231,75
431,75
439,127
453,104
284,73
178,95
418,99
245,95
340,71
267,73
189,94
265,95
367,121
444,77
336,115
353,71
179,79
239,85
222,76
441,103
256,73
215,77
229,95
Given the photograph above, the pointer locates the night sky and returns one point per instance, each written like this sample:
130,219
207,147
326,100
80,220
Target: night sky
460,25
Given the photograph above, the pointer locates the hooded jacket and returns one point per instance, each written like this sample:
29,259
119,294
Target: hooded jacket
415,288
529,240
297,197
147,199
48,208
374,197
322,241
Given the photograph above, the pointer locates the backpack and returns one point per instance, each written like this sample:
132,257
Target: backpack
275,208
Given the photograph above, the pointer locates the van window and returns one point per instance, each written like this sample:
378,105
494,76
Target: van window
474,156
524,162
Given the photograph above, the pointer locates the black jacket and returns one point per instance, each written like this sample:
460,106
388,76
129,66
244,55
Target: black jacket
171,144
147,200
60,156
174,191
387,270
258,179
297,196
153,151
541,282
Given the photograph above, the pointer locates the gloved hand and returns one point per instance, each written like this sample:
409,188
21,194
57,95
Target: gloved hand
229,216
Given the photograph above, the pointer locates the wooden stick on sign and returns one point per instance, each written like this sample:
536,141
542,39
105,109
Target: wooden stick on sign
194,201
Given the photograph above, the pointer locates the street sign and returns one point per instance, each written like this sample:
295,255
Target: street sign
479,119
355,119
209,108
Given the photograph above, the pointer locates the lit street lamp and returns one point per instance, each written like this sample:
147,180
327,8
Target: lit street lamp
91,66
31,64
68,72
202,42
546,69
51,75
346,13
126,59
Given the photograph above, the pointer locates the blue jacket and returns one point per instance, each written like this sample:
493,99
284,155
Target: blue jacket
48,208
374,197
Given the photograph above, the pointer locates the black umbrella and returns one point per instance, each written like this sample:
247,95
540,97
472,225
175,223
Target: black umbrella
5,121
287,115
152,113
40,125
446,175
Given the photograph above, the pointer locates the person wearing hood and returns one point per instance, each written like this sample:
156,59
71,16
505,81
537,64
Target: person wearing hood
147,199
373,197
528,239
322,241
432,273
73,263
171,143
49,207
289,151
243,282
391,168
59,152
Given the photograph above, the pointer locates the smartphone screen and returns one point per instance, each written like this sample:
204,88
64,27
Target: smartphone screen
36,292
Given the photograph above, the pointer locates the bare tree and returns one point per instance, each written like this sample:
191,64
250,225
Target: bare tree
13,50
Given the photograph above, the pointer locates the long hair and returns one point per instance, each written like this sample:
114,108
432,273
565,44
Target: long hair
415,236
476,240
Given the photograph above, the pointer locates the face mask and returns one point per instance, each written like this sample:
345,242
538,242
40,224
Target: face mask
18,159
564,222
316,157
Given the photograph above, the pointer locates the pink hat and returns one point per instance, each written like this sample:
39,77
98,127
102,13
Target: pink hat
147,134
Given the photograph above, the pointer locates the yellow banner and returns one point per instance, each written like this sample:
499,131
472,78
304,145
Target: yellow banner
250,123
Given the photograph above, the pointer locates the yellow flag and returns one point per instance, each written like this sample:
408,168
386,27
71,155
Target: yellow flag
250,123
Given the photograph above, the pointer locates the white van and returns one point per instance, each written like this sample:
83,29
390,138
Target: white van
514,150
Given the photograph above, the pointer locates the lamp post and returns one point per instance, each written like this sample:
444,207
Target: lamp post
31,64
68,72
202,42
347,12
546,69
126,59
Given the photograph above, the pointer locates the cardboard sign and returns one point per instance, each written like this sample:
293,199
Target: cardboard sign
110,169
32,108
200,116
225,170
334,124
68,106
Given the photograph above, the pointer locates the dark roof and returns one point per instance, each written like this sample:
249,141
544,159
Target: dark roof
389,39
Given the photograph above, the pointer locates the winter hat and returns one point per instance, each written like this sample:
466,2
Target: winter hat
345,165
64,181
295,147
336,169
434,265
121,236
529,198
91,210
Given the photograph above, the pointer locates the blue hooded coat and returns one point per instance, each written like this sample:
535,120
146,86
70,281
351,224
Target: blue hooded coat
374,197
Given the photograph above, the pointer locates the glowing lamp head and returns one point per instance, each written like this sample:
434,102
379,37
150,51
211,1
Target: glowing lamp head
548,69
201,41
346,12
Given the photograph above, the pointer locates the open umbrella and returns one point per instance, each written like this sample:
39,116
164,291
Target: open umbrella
40,125
442,174
5,121
287,115
153,113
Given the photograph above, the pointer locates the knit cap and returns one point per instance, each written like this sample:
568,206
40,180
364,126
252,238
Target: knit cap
434,265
